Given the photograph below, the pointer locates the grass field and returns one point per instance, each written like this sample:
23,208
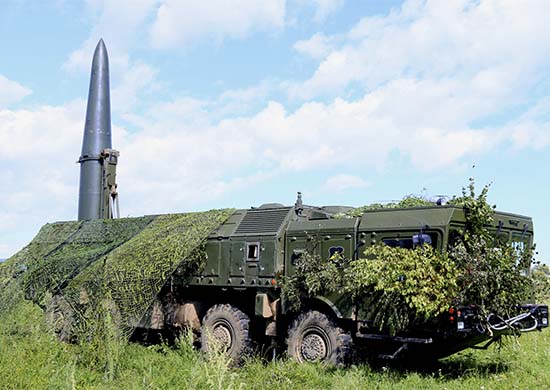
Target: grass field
31,358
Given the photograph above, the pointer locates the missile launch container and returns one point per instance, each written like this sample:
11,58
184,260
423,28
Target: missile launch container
237,297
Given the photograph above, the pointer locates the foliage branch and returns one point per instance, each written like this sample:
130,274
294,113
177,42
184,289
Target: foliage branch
398,286
408,201
492,269
540,276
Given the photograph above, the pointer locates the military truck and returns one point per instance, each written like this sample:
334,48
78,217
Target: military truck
236,299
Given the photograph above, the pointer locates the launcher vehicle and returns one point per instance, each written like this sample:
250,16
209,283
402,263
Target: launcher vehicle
235,298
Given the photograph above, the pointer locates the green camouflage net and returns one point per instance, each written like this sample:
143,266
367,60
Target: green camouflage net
80,270
50,237
89,243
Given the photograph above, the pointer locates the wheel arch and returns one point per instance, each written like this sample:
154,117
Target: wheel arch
324,305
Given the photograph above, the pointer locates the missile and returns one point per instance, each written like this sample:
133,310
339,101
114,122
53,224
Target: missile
96,144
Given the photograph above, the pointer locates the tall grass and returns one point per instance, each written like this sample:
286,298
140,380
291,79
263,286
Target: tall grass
31,358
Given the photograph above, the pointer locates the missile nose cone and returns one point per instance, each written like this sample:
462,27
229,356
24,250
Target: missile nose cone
97,130
100,53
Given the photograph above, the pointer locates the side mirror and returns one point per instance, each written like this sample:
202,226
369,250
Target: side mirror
421,239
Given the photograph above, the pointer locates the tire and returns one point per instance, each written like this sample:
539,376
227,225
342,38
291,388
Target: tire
313,337
230,327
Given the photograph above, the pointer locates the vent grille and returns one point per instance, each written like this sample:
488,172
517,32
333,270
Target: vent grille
262,221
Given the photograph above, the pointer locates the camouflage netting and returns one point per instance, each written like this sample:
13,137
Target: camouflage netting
49,238
81,272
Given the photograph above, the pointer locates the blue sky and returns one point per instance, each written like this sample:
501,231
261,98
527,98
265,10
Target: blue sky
234,104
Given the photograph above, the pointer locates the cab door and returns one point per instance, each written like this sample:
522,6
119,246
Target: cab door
237,264
297,246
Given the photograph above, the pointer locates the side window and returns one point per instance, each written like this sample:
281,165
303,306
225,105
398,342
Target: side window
252,251
412,241
406,243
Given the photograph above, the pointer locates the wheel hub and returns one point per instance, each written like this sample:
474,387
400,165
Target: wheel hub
313,347
223,335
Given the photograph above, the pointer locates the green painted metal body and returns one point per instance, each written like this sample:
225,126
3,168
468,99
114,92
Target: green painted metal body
254,248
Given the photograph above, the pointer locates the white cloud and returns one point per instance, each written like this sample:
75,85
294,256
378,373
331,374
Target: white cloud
530,135
532,129
344,182
137,79
11,92
182,23
431,76
40,134
180,158
324,8
38,150
457,39
119,23
126,24
185,153
241,100
317,11
245,95
316,47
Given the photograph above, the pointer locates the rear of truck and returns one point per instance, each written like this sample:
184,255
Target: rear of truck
461,326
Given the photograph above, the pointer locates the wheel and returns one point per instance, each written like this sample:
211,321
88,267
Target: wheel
229,327
313,337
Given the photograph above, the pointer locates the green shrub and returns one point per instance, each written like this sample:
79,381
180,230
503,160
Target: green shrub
407,201
540,276
397,286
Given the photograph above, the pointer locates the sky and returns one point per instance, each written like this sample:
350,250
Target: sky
235,104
